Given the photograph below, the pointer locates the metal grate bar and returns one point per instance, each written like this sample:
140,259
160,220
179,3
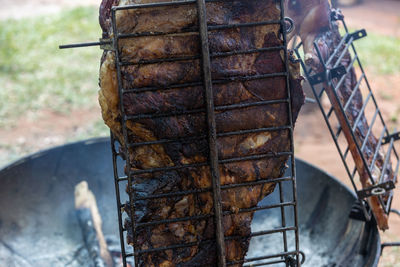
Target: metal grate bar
173,168
377,148
175,194
125,134
160,4
154,34
268,129
265,263
164,4
330,112
195,111
181,245
195,30
283,217
346,152
118,196
191,244
337,49
201,137
292,158
387,157
168,141
157,88
244,52
261,233
367,136
224,161
361,112
253,104
355,89
283,204
183,219
204,216
280,255
369,130
396,173
205,190
162,115
212,55
216,81
212,133
321,93
162,60
242,25
258,182
339,84
344,51
259,156
338,132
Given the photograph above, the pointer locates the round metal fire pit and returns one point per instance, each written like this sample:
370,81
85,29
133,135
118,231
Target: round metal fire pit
38,226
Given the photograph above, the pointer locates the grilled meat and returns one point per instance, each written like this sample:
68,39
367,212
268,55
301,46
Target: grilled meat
163,99
311,17
317,26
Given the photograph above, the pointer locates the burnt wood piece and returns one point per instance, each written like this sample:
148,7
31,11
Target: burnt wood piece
164,99
90,222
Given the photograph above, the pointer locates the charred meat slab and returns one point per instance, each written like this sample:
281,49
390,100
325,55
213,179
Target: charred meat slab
180,22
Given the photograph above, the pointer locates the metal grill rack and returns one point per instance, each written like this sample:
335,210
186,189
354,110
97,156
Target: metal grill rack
289,254
343,131
288,257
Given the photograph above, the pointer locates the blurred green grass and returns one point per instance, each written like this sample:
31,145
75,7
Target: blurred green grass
35,74
380,54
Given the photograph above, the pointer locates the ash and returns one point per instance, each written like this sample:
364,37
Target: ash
81,256
317,253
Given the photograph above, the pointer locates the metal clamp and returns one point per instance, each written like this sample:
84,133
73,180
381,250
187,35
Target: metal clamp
376,190
395,136
356,35
335,73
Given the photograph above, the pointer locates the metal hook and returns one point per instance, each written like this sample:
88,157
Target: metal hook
303,258
395,211
289,22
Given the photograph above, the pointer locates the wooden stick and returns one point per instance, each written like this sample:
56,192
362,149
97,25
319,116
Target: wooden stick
373,201
90,222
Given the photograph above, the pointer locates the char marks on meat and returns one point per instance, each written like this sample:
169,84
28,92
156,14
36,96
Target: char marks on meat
160,75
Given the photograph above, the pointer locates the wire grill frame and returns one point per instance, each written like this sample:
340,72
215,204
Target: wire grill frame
334,77
290,258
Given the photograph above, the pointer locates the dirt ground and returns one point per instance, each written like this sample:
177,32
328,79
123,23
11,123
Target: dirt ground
312,139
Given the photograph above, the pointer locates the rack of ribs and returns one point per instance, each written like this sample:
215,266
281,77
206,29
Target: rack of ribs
326,49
